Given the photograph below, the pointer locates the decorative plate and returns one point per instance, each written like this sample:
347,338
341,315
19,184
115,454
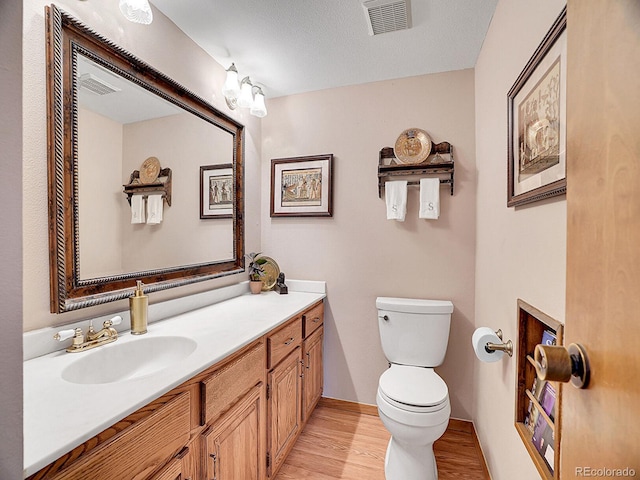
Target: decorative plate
149,170
412,146
271,272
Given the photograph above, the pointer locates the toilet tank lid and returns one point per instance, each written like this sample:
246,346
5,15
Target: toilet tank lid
414,305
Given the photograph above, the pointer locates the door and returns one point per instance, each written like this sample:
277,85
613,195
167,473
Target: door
312,380
285,387
233,445
601,424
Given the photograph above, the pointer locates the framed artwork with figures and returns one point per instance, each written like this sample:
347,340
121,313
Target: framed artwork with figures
301,186
216,191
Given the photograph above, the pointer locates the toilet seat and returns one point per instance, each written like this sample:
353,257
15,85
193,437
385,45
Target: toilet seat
413,389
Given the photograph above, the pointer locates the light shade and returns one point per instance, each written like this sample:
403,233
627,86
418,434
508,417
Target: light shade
137,11
259,109
231,87
245,100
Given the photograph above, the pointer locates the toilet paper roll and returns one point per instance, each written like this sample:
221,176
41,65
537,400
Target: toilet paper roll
481,337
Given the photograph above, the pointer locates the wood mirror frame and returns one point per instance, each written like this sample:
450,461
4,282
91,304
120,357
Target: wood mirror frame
66,38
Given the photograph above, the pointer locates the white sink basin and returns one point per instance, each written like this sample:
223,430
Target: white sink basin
117,362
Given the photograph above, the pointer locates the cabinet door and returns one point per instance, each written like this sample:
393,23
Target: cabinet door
234,444
312,379
285,389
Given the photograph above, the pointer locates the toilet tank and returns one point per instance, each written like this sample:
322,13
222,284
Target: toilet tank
414,331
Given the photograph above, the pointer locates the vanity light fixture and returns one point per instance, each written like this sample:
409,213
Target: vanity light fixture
243,93
137,11
245,100
231,87
259,109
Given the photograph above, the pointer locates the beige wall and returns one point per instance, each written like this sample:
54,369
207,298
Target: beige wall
358,252
100,192
178,57
11,240
520,253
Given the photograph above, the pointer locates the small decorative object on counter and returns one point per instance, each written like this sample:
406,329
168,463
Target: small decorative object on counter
280,286
256,272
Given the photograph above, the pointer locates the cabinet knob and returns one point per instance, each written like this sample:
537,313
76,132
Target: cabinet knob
556,363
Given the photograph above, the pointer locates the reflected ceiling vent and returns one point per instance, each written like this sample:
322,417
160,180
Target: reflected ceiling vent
94,84
387,15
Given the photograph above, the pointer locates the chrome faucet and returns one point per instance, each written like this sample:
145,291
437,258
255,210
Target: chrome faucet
92,339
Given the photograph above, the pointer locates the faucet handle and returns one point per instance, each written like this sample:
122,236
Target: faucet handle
117,320
64,334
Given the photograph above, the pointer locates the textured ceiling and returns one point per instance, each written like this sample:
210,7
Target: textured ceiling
295,46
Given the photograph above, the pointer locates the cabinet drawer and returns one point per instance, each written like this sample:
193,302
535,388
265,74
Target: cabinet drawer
231,381
313,318
139,449
284,341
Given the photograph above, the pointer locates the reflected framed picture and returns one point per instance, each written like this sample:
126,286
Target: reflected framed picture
301,186
536,121
216,191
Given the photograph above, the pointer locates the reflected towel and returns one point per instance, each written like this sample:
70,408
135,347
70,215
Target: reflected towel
395,195
154,209
137,209
429,198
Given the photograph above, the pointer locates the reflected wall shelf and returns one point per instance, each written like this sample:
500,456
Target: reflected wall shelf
439,162
532,324
135,187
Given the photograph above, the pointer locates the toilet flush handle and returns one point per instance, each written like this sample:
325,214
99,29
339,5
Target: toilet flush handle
385,318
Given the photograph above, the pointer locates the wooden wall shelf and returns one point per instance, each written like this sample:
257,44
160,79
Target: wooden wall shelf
439,161
532,323
134,187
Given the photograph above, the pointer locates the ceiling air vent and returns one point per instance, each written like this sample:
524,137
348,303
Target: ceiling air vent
387,15
96,85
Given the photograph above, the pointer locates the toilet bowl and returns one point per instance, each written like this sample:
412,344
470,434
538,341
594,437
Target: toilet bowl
416,415
413,401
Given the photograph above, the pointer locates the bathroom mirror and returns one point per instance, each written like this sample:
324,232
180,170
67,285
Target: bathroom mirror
109,112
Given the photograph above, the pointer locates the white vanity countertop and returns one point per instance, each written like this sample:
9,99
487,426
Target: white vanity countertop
59,415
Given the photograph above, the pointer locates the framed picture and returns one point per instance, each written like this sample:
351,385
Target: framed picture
216,191
301,186
536,145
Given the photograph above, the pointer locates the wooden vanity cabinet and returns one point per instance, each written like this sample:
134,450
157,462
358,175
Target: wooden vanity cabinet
294,381
223,424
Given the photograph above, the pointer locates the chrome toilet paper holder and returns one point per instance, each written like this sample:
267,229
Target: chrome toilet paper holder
502,347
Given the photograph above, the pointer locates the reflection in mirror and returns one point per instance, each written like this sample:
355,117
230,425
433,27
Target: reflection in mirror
120,124
109,112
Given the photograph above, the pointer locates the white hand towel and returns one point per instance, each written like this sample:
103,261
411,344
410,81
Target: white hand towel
429,198
395,195
137,209
154,209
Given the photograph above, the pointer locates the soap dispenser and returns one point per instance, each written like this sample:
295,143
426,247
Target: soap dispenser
138,304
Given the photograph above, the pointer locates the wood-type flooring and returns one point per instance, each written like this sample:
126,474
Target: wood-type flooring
348,445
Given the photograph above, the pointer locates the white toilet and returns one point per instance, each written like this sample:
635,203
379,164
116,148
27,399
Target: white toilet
413,401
